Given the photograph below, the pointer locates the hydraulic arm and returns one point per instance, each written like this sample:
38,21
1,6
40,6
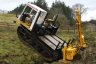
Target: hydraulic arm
82,43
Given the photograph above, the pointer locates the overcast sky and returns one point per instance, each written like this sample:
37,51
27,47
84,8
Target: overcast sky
90,4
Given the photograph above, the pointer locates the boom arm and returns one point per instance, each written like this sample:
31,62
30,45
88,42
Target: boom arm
79,29
69,51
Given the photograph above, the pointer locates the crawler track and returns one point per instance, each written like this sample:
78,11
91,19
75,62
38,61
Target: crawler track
32,39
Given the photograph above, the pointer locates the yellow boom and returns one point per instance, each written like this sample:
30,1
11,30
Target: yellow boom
69,51
79,30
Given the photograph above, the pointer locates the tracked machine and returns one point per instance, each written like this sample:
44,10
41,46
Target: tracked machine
35,29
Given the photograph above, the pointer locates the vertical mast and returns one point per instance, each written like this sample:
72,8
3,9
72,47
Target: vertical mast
79,29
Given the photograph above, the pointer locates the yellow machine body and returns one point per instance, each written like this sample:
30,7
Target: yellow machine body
69,52
25,24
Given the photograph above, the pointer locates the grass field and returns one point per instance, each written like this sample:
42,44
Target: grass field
12,51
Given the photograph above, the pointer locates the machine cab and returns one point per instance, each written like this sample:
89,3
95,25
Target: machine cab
39,32
31,15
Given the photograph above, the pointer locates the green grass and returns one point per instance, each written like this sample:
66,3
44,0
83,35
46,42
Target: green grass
12,50
15,52
7,18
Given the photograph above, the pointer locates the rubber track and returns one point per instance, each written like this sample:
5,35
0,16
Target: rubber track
30,38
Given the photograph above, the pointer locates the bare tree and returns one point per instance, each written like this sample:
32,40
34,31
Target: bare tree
81,7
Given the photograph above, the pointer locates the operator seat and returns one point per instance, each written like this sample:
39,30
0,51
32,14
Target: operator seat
24,16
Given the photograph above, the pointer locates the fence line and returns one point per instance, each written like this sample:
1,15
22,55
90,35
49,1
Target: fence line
5,25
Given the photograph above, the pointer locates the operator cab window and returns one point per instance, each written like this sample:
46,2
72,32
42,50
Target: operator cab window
41,18
28,15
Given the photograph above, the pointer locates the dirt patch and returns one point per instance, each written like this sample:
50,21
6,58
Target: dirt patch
3,62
